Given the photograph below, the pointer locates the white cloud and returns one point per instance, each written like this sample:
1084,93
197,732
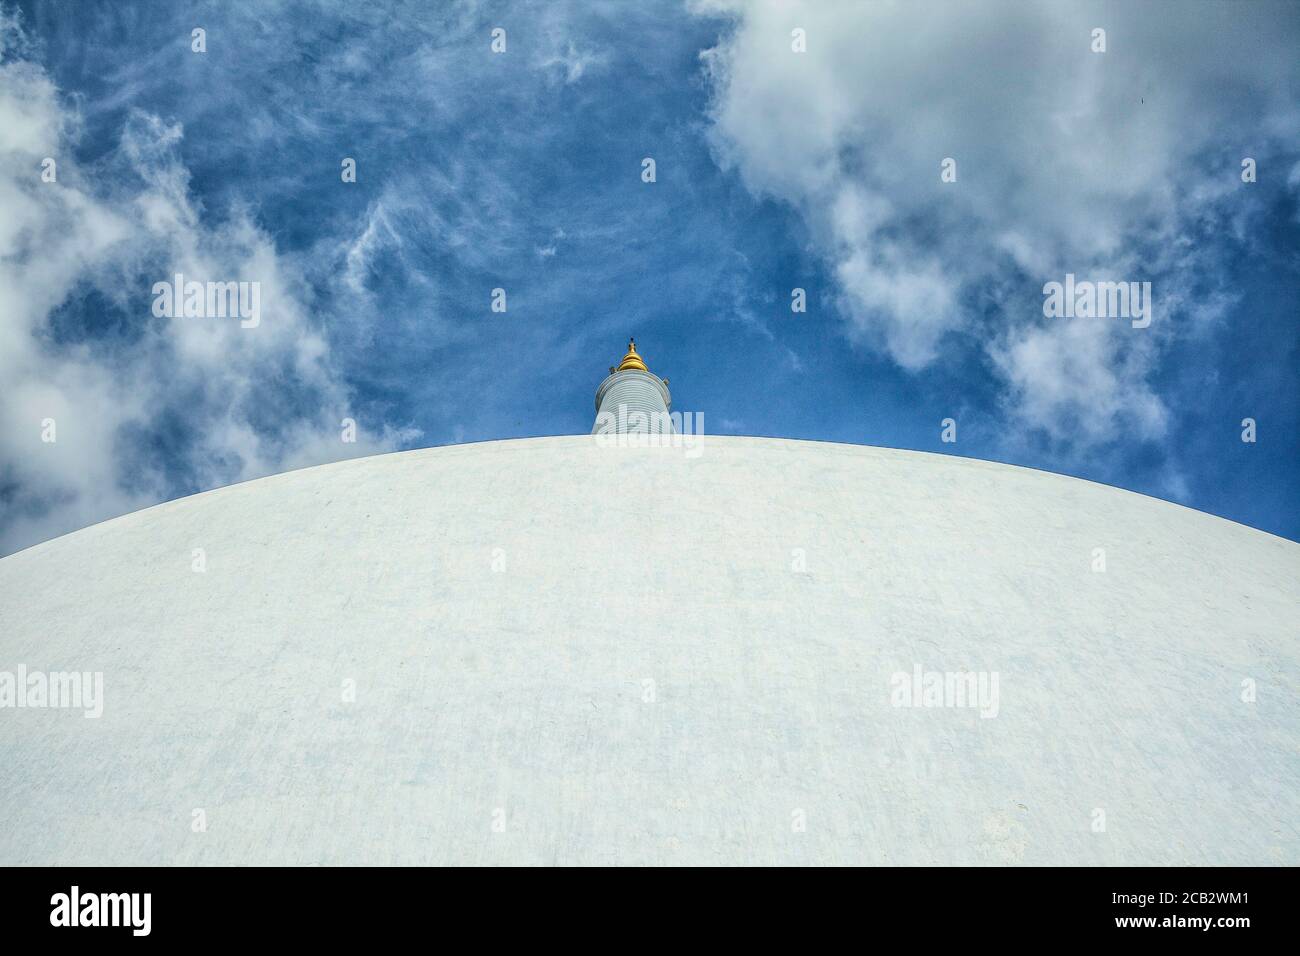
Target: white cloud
572,64
1071,379
258,400
1107,165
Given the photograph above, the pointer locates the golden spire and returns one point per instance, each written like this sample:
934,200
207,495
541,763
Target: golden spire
631,360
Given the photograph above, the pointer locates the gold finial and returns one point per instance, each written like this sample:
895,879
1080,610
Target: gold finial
631,360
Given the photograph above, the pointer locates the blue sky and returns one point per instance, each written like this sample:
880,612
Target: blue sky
521,170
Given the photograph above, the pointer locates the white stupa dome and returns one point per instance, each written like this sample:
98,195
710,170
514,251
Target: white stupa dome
552,651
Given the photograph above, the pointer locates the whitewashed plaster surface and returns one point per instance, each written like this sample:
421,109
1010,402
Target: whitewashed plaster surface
520,696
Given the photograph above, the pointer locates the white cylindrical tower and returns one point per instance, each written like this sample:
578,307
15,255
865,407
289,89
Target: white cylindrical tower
633,401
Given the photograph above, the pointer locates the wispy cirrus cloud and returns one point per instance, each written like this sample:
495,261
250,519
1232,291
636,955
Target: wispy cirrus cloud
86,364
